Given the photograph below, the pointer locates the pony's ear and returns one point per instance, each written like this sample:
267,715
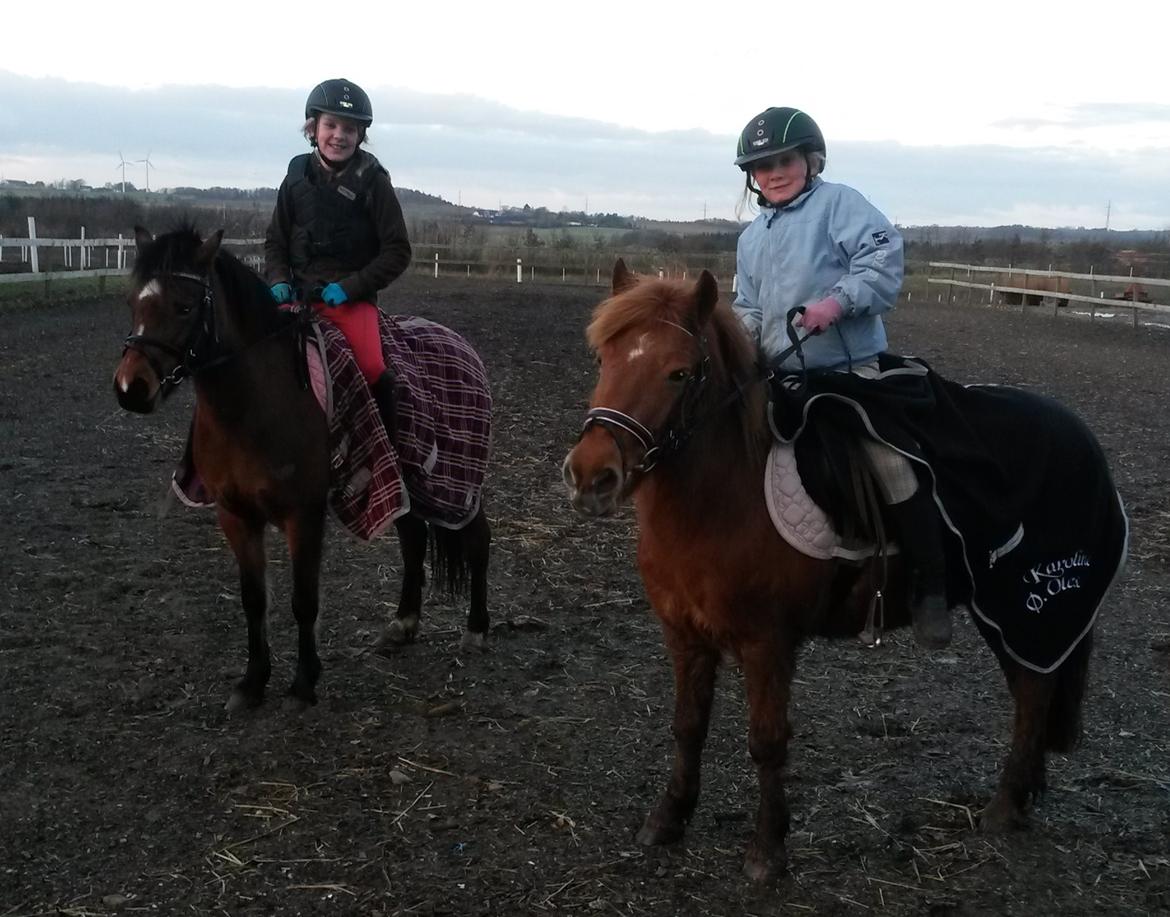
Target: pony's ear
142,238
623,277
207,251
706,296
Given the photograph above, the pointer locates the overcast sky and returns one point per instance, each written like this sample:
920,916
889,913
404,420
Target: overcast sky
1037,113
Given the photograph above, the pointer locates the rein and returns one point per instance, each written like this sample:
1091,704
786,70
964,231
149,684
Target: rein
192,356
675,435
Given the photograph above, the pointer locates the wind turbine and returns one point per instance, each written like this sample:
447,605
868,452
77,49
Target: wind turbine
148,165
123,165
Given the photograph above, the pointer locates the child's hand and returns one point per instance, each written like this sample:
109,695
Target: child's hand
282,293
333,295
820,315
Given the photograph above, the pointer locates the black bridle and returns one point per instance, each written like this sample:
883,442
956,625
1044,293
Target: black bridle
683,419
202,348
191,355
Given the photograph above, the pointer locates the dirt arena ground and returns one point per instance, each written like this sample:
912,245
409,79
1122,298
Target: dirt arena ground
512,782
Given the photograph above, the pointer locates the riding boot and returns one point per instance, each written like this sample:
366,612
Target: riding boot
920,534
382,389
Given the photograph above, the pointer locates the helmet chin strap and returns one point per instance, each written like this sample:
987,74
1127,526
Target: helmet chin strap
325,160
764,202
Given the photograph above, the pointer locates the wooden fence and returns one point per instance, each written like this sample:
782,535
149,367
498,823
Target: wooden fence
85,257
1099,291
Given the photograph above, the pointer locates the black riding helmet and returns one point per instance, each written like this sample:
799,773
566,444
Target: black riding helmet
775,130
340,97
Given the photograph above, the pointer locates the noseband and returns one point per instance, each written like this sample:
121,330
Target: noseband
675,434
189,357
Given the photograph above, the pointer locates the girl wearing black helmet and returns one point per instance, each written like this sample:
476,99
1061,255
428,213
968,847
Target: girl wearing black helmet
821,250
337,234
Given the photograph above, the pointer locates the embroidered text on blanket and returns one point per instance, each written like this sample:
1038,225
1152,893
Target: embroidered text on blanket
1054,578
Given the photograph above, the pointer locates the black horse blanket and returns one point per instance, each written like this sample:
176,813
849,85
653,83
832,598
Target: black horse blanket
1022,484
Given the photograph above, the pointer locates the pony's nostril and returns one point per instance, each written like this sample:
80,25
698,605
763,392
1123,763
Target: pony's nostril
606,482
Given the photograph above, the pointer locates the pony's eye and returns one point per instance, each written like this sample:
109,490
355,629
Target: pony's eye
679,375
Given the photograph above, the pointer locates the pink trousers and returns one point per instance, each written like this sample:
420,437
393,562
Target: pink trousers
358,321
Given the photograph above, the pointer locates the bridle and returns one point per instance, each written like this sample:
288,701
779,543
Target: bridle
675,434
202,349
189,356
682,420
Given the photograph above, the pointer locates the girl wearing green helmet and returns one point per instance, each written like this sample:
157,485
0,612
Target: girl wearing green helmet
337,235
820,253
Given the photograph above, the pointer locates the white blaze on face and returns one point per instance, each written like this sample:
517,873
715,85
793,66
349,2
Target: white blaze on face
151,289
640,348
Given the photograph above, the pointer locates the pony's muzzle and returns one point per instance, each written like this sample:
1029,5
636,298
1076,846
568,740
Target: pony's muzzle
135,385
595,487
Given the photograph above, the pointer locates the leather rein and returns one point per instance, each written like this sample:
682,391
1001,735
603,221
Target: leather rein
201,350
683,420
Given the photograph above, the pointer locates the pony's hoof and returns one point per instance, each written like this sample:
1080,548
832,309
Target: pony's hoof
654,834
241,699
473,641
760,866
397,634
1002,818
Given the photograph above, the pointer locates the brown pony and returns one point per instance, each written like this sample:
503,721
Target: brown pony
260,442
678,423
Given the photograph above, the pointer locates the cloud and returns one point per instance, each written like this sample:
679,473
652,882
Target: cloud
1091,115
484,153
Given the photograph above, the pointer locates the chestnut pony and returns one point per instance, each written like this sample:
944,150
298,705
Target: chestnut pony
678,424
260,440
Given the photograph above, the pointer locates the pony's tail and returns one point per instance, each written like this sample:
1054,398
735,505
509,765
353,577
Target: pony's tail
1064,713
450,563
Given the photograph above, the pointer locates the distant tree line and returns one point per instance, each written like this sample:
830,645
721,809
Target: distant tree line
467,234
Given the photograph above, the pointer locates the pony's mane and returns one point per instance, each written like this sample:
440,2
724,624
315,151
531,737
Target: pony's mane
244,288
732,352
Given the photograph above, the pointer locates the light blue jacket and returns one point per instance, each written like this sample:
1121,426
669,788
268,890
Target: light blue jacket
830,241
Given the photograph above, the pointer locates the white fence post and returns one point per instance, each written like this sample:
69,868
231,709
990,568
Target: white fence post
32,244
81,251
436,264
734,281
121,253
519,271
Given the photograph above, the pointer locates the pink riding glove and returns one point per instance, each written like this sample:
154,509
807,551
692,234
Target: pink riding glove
820,315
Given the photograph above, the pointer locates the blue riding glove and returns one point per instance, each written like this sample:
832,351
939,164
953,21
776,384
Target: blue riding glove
282,293
334,295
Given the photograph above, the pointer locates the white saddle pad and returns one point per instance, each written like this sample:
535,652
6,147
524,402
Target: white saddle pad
800,522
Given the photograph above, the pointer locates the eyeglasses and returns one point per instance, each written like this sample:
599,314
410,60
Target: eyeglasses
785,160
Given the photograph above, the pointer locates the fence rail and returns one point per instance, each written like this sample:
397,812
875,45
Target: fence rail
1129,298
592,267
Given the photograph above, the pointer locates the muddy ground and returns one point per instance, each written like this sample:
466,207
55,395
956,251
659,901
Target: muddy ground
512,782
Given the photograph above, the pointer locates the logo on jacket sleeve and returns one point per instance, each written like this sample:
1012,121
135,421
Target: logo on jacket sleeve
880,238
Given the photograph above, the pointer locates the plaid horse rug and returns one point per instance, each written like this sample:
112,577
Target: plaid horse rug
435,468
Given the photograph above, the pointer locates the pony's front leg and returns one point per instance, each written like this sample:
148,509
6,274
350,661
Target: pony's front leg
246,537
306,534
695,665
767,669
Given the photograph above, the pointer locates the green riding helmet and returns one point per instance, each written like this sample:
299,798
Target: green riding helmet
340,97
775,130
